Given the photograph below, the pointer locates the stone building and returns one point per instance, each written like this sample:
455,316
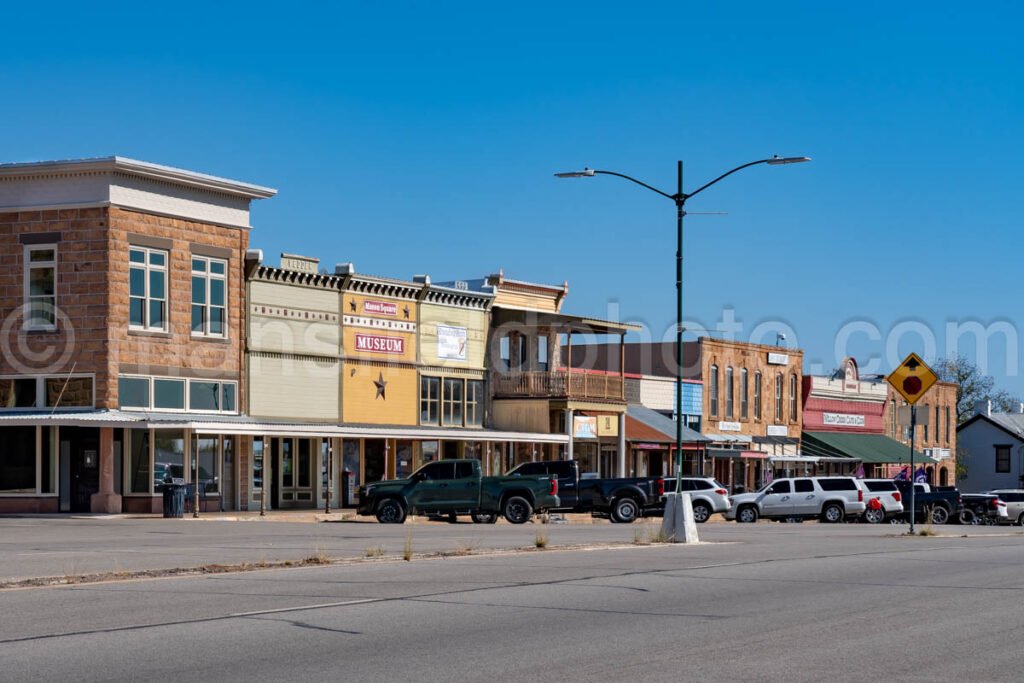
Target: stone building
121,295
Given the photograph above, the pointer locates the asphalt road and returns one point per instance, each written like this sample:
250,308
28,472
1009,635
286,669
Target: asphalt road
777,602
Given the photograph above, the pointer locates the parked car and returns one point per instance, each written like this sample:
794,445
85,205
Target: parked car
457,487
830,499
890,500
942,503
620,499
707,494
1014,499
982,508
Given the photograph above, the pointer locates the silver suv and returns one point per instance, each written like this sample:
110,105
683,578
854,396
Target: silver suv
830,499
890,501
1014,499
708,496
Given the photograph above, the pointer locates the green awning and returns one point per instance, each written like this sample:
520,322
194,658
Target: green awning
868,448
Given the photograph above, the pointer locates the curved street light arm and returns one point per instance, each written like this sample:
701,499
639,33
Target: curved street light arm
729,173
642,184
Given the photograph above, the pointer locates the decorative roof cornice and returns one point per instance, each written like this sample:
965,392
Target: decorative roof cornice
134,168
294,277
457,297
379,286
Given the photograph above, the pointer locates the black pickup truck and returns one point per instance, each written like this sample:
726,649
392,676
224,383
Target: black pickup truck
621,500
943,502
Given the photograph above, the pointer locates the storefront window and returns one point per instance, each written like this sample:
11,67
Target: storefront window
168,455
287,463
140,475
524,453
428,452
64,392
48,456
18,393
203,395
451,412
350,457
403,459
18,459
304,464
133,392
206,454
257,464
473,449
375,459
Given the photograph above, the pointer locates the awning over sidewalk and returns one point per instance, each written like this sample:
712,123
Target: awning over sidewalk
871,449
245,425
650,426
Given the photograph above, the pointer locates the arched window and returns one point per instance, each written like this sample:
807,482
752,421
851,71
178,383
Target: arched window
943,477
757,395
743,393
892,418
792,398
730,398
713,390
779,415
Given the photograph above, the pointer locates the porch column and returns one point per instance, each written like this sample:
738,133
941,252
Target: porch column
622,445
106,501
568,430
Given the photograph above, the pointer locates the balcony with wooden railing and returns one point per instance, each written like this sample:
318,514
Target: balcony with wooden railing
558,384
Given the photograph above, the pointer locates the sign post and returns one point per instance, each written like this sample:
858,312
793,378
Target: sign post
912,379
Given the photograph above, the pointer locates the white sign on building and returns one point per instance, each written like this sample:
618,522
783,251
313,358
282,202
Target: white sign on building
778,430
843,420
451,342
729,426
778,358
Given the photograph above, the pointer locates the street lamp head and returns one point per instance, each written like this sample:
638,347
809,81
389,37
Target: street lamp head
778,161
585,173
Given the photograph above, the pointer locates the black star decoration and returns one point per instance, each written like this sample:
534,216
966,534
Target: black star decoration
381,386
352,305
406,311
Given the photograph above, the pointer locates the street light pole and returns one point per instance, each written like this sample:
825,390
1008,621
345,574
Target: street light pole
679,198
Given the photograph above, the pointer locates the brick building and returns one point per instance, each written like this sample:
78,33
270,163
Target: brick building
751,399
121,296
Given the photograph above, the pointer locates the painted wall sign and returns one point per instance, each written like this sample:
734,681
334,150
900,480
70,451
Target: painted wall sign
843,420
584,427
729,426
451,342
778,358
373,343
778,430
380,307
607,425
650,446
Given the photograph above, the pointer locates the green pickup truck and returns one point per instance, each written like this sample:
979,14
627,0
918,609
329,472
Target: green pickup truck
457,487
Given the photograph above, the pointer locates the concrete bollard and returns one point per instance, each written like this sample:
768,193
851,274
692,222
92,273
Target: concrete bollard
678,525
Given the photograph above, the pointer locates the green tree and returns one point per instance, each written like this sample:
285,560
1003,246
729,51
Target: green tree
971,385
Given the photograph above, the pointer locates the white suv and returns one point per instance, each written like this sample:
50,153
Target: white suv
708,496
830,499
889,498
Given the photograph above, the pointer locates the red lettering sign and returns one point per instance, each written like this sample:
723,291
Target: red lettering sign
372,343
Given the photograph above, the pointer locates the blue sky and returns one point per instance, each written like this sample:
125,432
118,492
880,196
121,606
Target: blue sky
414,137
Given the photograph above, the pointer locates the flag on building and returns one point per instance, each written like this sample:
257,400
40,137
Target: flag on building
903,475
920,476
860,472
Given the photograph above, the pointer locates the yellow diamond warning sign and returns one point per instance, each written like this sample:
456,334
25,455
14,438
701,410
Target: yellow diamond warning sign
912,378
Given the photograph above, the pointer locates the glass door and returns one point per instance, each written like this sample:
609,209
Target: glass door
295,473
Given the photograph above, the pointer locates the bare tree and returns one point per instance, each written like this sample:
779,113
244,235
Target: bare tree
971,385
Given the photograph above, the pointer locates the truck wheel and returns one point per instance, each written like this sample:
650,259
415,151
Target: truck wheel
746,514
940,515
701,512
390,511
874,516
833,513
517,510
484,517
967,516
625,511
1020,520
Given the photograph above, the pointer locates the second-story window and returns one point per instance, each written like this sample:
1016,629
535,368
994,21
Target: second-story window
41,287
209,296
474,403
779,416
451,403
714,391
730,397
927,410
757,395
792,398
430,400
947,425
743,393
147,307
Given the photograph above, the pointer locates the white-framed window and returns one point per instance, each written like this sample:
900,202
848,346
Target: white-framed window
177,394
779,415
714,391
430,400
743,393
209,296
730,398
451,402
792,398
31,392
29,463
475,402
40,287
147,289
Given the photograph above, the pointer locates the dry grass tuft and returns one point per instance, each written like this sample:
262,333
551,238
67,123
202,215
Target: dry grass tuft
375,551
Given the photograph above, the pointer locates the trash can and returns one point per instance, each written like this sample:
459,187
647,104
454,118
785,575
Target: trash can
174,499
